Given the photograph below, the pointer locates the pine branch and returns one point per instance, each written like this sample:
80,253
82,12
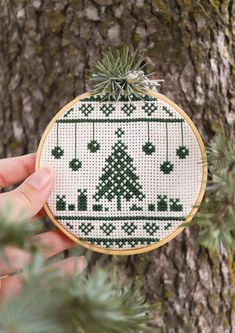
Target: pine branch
18,233
52,302
216,218
119,75
49,303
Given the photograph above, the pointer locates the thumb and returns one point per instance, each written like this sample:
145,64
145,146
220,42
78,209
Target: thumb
32,194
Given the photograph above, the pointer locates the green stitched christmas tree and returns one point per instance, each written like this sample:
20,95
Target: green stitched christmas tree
119,179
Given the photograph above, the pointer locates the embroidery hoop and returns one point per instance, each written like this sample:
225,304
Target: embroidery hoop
171,235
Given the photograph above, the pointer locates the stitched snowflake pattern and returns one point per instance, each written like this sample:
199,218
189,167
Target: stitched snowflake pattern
128,109
129,228
107,109
151,228
86,228
149,108
86,109
108,228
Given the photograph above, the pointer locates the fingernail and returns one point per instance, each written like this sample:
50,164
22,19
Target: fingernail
41,178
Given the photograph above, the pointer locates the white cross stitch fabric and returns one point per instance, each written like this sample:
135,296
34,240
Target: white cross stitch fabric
127,173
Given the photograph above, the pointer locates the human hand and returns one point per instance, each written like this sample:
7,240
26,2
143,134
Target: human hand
29,198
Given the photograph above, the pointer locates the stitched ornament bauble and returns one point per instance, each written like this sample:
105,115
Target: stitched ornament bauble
129,164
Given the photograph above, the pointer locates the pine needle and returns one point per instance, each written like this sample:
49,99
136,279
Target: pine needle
52,302
216,219
119,75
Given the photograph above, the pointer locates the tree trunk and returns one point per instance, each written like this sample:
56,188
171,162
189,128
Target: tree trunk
47,48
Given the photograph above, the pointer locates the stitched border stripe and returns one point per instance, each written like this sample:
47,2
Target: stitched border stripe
121,242
136,120
120,218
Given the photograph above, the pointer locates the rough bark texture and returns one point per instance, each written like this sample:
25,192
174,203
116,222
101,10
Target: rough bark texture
46,49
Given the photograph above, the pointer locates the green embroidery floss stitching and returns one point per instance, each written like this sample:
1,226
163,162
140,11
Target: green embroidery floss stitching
82,200
175,205
86,109
120,218
151,207
119,132
68,112
75,164
86,228
162,205
166,167
120,242
182,151
108,228
69,225
134,207
151,228
121,120
119,179
167,111
60,202
129,228
168,226
71,207
148,148
149,108
93,145
128,109
57,151
97,208
107,109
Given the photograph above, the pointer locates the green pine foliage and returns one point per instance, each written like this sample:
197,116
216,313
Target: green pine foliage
18,234
216,218
119,74
49,303
55,303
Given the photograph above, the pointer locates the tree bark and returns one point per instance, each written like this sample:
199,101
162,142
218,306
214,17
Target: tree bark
47,48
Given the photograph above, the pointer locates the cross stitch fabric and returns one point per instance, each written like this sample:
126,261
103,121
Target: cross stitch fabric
127,173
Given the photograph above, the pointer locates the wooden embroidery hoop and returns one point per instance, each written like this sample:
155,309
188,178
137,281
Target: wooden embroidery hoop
171,235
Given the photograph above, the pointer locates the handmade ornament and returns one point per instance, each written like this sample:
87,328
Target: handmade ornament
129,164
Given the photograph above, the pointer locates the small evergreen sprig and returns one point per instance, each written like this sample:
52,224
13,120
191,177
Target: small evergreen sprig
119,75
216,218
52,302
18,234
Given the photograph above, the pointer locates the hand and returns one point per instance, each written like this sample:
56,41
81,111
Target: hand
29,198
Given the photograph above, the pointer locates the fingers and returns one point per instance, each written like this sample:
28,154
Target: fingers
70,266
13,260
41,213
16,169
31,195
52,242
11,286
